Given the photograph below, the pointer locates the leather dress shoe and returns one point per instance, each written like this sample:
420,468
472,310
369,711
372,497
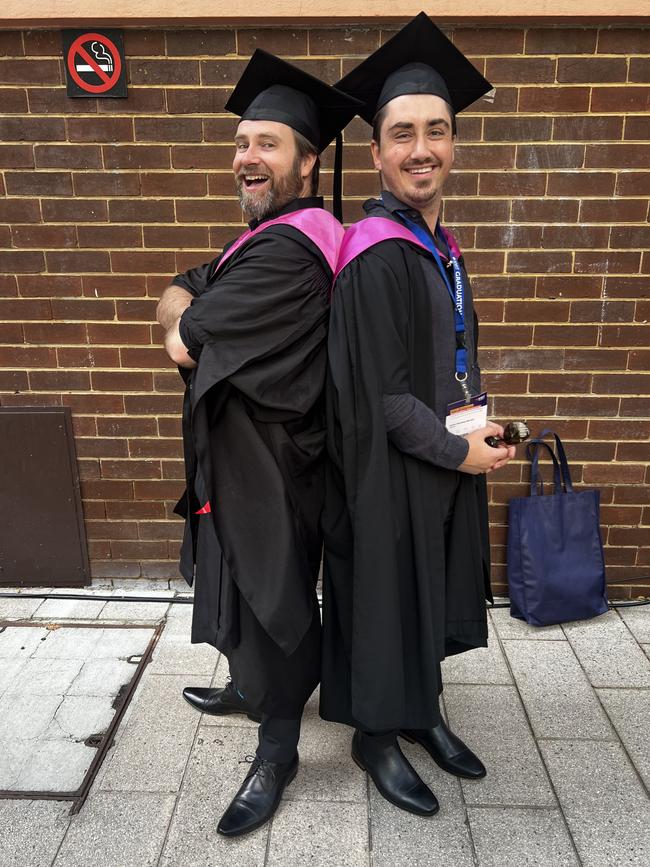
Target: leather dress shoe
219,701
258,796
393,774
447,750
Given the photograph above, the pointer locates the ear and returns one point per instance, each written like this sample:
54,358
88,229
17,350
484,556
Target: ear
306,165
374,150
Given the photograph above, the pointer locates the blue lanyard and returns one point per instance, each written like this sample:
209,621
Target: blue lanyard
456,293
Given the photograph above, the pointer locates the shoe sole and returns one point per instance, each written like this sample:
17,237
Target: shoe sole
442,767
251,716
388,798
257,825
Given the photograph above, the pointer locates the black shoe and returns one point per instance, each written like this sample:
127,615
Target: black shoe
393,774
258,797
447,751
219,701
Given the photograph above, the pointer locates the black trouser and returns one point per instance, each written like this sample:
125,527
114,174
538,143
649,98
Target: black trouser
278,738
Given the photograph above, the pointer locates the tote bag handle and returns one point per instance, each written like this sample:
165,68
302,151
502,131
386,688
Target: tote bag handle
536,481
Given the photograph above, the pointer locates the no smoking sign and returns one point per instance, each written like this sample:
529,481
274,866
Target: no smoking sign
94,63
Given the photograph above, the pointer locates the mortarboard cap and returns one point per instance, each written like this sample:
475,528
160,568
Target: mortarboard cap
272,89
417,59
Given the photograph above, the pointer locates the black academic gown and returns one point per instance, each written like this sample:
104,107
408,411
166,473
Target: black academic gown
406,569
254,447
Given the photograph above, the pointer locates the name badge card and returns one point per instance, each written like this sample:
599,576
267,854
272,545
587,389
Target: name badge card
463,418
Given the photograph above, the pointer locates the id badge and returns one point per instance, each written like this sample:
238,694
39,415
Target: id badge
463,418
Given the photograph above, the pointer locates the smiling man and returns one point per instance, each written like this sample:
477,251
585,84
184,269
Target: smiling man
406,534
249,332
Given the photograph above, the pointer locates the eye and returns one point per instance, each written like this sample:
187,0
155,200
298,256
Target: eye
240,146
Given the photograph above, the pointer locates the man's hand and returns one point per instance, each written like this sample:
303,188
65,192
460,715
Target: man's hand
482,458
176,349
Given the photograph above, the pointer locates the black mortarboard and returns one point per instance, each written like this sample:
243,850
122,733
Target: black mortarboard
417,59
272,89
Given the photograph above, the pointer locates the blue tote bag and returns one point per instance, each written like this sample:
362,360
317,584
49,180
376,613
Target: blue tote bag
556,568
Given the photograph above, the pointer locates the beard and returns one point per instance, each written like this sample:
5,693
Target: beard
282,189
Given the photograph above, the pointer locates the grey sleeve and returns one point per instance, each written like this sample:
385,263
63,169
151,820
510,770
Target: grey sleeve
415,429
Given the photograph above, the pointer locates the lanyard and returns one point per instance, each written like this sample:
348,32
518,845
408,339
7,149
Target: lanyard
456,293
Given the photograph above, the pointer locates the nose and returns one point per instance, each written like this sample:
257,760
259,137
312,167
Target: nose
420,151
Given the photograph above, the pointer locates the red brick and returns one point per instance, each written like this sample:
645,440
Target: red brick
113,286
506,335
171,530
519,129
484,262
176,237
193,43
49,285
154,448
639,69
11,43
77,261
506,383
38,183
142,310
558,40
155,71
13,380
141,211
59,380
148,550
16,156
468,128
143,261
544,210
109,236
559,237
82,309
68,156
632,452
550,156
621,99
173,183
476,211
202,156
581,184
536,311
343,41
569,286
19,211
130,469
520,70
8,285
106,184
566,335
167,129
165,404
121,380
588,128
481,157
169,427
636,128
639,359
34,235
142,100
150,357
540,261
617,156
136,156
190,100
157,490
87,356
221,72
21,261
622,474
116,333
550,99
625,335
486,40
602,311
144,42
588,70
124,426
54,332
74,210
207,211
100,129
606,261
630,236
54,100
642,311
168,381
622,383
623,41
221,184
29,71
14,100
112,529
613,210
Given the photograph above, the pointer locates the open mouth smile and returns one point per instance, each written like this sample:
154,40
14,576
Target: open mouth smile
254,182
420,170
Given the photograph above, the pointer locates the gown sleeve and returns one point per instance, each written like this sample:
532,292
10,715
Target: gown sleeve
414,428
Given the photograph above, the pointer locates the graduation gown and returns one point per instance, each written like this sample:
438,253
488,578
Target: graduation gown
406,569
254,447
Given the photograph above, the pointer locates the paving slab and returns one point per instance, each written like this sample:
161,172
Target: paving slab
142,612
214,773
10,669
629,711
605,805
559,700
102,677
325,834
25,717
18,609
18,642
37,828
637,620
156,743
521,837
71,643
125,830
491,720
69,609
49,677
482,665
511,627
54,765
608,652
175,654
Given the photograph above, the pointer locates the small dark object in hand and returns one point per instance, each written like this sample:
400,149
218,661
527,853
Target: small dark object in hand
513,433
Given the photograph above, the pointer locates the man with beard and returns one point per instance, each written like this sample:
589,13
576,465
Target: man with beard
406,533
249,331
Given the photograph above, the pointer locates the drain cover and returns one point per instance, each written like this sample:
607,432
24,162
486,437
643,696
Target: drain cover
63,691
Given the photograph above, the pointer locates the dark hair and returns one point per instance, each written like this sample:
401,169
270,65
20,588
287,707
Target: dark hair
305,148
380,117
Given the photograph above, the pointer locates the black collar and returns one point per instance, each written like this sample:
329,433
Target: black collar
294,205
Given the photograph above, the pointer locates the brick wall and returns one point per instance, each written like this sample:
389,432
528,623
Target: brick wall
101,201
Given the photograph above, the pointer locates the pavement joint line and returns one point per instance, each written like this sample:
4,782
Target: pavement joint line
371,854
466,821
609,719
539,752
